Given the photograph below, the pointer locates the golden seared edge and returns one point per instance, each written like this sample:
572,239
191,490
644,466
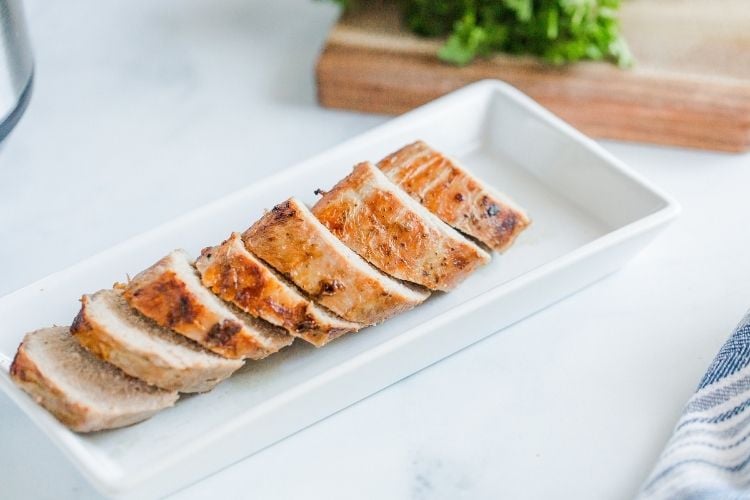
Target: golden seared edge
81,391
393,232
457,197
171,293
237,276
296,244
114,332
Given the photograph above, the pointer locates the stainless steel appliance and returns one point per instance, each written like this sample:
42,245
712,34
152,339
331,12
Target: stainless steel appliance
16,65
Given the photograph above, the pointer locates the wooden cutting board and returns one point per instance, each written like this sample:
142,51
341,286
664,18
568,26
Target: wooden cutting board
690,86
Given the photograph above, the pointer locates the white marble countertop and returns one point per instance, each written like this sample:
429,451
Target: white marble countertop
144,110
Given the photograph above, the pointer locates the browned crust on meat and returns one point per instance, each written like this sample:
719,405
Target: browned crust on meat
89,336
236,276
452,194
223,333
27,375
364,211
311,329
162,296
292,245
166,300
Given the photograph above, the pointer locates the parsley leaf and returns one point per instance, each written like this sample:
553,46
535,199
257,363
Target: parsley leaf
559,31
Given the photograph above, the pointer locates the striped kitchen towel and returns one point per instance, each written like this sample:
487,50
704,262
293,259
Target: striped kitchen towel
708,456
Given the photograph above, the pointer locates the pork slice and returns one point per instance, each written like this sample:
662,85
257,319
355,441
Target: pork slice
236,275
393,232
291,240
171,294
456,196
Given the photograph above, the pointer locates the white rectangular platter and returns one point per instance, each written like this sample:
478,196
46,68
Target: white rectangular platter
590,215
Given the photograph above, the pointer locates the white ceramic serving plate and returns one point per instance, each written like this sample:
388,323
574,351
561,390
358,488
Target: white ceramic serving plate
591,214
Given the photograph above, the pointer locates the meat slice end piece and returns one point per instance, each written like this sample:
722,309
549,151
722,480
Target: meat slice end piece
456,196
80,390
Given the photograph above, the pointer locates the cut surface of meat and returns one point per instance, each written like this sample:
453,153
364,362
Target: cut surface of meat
114,332
83,392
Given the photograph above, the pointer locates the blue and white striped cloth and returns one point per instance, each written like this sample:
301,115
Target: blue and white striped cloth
708,456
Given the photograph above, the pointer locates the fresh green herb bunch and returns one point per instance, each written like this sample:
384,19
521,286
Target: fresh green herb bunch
560,31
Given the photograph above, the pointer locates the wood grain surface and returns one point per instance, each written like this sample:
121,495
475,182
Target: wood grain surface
690,85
